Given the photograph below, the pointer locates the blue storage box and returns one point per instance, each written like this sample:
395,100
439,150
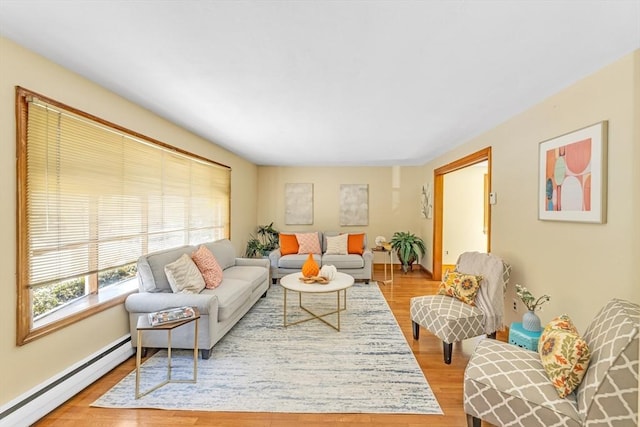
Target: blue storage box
522,338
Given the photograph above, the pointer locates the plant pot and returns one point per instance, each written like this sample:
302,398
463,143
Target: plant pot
531,322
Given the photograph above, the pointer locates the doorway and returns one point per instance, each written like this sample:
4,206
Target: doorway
483,155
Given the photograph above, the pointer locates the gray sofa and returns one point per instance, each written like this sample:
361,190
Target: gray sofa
244,281
357,266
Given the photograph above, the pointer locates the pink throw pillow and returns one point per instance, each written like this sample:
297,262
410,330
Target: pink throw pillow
308,243
208,266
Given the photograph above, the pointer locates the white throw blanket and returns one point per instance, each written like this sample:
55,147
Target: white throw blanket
495,275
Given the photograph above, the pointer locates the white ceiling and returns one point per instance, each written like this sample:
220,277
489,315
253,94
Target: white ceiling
330,82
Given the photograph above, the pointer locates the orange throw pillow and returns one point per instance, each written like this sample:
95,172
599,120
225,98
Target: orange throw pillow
356,243
288,244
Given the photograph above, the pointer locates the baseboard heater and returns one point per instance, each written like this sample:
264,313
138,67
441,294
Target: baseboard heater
44,398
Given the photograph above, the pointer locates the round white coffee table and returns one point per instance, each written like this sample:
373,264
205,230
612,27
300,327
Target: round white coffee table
339,284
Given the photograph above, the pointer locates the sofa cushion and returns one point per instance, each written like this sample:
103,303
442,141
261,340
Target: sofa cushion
251,273
356,243
337,245
231,294
208,266
308,243
564,355
343,262
184,276
296,261
288,244
224,252
151,275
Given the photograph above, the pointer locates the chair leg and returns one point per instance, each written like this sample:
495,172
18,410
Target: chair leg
447,348
473,421
416,330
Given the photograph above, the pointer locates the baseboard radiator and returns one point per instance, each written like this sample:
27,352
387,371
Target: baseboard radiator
44,398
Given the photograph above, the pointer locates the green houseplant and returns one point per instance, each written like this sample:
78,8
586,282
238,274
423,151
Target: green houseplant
408,247
265,240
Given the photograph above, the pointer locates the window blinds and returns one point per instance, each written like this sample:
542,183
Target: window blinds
98,198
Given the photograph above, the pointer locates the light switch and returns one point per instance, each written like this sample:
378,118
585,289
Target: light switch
493,198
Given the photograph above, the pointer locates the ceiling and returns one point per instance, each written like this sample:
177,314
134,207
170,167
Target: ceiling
330,83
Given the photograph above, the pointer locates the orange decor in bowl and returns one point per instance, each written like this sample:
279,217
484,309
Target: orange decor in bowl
310,267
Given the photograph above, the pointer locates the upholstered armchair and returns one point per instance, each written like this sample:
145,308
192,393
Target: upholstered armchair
508,386
453,320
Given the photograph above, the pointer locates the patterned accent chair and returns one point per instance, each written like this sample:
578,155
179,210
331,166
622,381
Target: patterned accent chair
507,385
452,320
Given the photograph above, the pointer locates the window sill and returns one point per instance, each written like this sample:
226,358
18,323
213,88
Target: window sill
81,309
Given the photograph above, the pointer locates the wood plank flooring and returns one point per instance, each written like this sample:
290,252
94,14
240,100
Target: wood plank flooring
445,380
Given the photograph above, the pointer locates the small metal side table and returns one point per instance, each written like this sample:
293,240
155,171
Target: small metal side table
387,250
144,325
522,338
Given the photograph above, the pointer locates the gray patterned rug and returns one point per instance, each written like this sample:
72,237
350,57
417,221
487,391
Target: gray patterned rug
260,366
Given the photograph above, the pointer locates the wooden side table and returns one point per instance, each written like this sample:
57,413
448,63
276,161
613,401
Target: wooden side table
390,259
144,325
522,338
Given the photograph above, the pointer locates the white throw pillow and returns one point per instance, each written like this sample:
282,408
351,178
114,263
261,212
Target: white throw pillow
184,276
337,245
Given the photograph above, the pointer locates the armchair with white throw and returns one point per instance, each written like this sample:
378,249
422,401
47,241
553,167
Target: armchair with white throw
451,319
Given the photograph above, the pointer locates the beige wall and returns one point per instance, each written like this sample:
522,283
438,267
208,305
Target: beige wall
28,366
394,197
463,219
580,265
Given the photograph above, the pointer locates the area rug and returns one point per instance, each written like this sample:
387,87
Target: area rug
260,366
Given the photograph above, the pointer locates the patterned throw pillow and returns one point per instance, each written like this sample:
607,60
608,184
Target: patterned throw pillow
461,286
184,276
208,266
308,243
288,244
356,243
564,355
337,245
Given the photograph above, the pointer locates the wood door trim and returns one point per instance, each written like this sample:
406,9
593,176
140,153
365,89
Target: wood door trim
438,199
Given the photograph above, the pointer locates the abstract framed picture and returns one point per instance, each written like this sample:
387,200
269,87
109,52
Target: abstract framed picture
298,200
573,176
354,204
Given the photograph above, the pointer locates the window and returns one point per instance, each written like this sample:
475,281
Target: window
92,198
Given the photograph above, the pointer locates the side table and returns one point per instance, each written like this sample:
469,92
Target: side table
522,338
388,251
144,325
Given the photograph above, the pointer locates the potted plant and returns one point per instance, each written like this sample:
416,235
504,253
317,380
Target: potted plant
530,320
265,241
408,247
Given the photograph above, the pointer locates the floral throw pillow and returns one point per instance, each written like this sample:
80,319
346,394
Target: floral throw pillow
564,355
462,286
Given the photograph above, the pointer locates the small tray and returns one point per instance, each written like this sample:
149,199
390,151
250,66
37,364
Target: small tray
314,279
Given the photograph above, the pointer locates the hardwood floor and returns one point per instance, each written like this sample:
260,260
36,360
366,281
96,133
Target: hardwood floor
445,380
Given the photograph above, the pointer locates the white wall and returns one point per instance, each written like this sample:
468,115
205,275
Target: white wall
25,367
580,265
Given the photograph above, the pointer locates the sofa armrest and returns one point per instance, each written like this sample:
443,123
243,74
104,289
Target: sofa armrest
258,262
274,257
150,302
367,255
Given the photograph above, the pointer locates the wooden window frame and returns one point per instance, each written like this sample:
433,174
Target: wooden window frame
94,302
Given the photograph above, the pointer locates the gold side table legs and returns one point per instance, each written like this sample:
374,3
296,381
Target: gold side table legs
168,379
317,316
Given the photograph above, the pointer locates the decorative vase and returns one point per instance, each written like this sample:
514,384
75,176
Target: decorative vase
531,322
310,267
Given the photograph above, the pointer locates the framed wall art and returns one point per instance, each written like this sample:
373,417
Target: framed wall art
354,204
298,200
572,176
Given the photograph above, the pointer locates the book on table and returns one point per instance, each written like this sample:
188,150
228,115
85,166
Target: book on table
171,315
